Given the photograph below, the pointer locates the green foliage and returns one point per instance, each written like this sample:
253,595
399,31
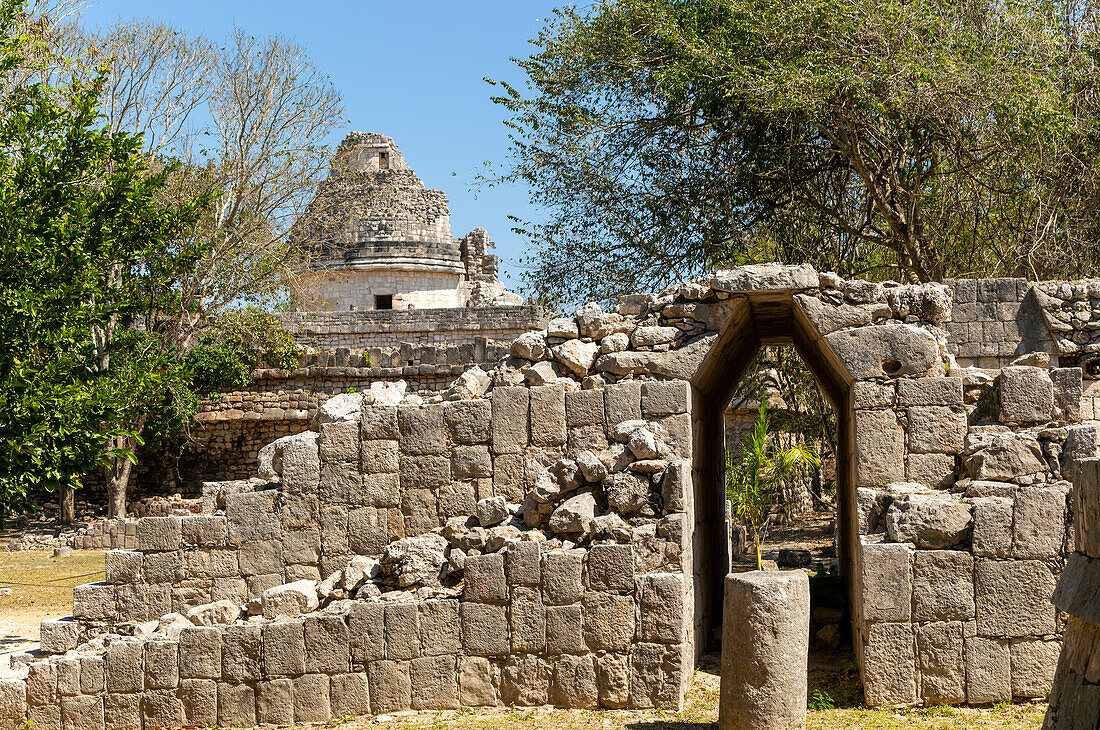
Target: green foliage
821,700
235,344
882,138
86,250
755,480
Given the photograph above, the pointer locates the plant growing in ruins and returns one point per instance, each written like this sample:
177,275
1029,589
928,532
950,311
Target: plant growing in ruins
755,479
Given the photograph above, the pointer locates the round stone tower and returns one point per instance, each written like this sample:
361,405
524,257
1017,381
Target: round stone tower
379,239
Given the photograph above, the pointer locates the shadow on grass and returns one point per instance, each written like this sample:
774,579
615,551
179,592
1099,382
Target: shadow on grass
834,681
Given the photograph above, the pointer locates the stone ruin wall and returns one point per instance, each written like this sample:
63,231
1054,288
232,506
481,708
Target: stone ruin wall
474,550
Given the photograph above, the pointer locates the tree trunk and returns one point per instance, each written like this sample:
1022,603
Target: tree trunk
66,499
118,479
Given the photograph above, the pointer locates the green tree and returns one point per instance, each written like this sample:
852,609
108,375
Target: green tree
86,250
755,481
901,139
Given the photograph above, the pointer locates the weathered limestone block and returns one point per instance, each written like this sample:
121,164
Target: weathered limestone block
350,695
988,670
390,686
422,430
525,681
477,686
608,621
327,644
485,579
379,457
290,600
236,705
159,708
870,395
940,657
434,683
943,586
159,533
765,648
880,442
469,421
425,472
296,459
68,677
341,483
626,492
827,317
574,682
565,630
124,667
368,530
622,402
415,560
122,711
930,391
662,610
992,535
887,582
928,520
161,665
1068,389
485,629
242,650
402,631
339,441
283,648
58,635
523,563
1039,526
93,675
275,701
45,717
440,627
1013,598
312,702
366,624
575,514
252,516
199,698
378,422
547,415
200,653
932,470
611,568
889,665
94,601
41,687
122,566
471,462
163,567
527,620
1003,457
757,277
936,429
613,679
665,398
584,408
509,420
562,577
887,350
1033,665
1026,394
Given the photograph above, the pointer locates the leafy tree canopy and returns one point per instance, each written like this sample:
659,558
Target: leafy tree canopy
907,139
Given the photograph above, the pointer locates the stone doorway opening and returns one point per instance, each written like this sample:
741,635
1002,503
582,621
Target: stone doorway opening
757,322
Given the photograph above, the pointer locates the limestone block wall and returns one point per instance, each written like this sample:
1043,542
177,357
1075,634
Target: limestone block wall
349,290
540,533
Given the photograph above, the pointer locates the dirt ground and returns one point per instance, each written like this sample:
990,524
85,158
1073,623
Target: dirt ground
41,587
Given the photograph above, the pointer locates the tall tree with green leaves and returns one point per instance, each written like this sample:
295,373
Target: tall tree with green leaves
87,250
905,139
755,479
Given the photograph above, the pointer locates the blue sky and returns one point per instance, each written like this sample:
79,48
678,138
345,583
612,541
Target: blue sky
412,70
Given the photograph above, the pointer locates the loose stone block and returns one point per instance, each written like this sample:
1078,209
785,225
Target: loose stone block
665,398
485,580
284,648
275,702
940,656
880,442
312,701
890,668
1033,665
887,582
124,667
339,441
350,695
422,429
390,687
562,574
661,597
242,648
161,664
327,644
608,621
565,630
434,683
159,534
199,698
523,563
236,705
992,537
527,620
485,629
988,670
1027,394
584,408
509,420
469,421
525,681
574,682
440,627
611,568
1013,598
943,586
160,708
58,635
402,631
1039,524
936,429
366,624
94,601
475,682
765,647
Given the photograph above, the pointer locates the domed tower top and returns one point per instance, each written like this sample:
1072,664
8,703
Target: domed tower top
379,239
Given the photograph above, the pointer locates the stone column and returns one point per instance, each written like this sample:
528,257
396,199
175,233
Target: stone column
765,651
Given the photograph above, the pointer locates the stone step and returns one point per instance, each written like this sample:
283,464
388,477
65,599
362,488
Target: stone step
59,635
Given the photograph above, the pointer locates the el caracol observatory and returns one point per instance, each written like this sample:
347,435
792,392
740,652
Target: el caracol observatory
380,239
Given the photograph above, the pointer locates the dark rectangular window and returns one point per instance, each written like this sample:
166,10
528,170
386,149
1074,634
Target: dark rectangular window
384,164
383,301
